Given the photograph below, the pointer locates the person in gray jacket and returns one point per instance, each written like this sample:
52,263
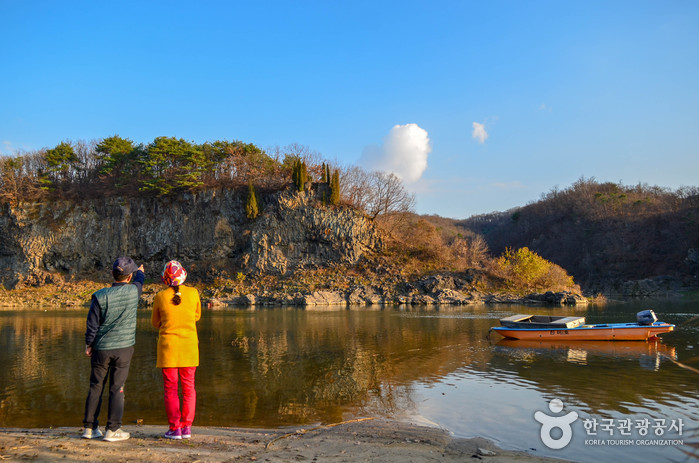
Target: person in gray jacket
109,342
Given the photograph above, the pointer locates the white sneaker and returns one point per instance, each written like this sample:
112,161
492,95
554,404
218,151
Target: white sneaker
91,433
113,436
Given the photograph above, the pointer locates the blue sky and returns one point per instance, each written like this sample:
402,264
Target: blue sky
479,106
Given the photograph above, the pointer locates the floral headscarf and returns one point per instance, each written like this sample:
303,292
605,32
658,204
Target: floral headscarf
174,274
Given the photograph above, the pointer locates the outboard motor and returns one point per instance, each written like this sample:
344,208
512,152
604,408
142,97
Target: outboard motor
646,317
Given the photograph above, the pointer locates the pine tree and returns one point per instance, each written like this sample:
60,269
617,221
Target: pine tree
170,164
324,177
251,208
60,161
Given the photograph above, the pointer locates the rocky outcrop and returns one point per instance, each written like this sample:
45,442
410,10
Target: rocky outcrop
373,296
210,234
663,285
365,295
298,233
557,298
323,298
207,231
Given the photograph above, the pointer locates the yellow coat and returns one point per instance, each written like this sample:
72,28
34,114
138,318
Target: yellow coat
178,344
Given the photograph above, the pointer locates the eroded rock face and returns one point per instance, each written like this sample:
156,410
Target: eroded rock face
556,298
207,231
662,285
299,233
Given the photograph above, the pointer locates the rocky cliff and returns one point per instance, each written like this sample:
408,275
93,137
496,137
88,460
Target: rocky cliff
207,231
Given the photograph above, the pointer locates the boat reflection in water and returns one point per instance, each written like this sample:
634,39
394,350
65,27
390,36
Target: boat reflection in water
649,353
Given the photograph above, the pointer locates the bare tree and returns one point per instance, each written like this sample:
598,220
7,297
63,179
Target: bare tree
87,159
376,193
18,177
472,249
355,186
389,195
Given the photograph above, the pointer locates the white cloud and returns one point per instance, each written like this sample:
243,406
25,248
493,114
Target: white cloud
404,153
479,132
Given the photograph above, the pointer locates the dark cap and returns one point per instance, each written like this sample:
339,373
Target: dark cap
124,266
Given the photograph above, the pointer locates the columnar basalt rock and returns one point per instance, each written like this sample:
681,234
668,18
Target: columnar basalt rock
210,233
207,231
297,233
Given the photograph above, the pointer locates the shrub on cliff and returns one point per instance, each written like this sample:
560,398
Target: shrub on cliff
251,208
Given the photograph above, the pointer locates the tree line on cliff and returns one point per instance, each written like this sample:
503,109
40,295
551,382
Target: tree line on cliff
116,166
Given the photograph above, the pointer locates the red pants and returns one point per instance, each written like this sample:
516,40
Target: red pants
172,398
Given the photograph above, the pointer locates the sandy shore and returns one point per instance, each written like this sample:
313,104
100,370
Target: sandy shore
370,441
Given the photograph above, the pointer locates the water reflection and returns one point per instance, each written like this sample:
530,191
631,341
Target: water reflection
38,369
280,367
264,368
295,367
649,353
600,376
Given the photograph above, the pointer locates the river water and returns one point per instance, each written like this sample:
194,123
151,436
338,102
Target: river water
293,367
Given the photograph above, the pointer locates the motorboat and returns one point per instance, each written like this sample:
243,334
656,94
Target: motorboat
559,328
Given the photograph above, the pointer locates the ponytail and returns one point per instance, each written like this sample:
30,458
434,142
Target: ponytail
176,299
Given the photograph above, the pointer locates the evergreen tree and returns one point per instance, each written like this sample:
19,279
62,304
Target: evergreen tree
116,159
111,151
324,177
60,161
299,174
304,175
295,173
251,208
335,188
169,164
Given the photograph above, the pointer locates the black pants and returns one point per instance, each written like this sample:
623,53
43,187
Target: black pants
115,364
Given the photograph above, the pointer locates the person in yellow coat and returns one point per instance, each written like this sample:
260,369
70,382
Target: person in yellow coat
176,311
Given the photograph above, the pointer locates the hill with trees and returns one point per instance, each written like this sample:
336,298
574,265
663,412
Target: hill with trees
276,224
604,234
